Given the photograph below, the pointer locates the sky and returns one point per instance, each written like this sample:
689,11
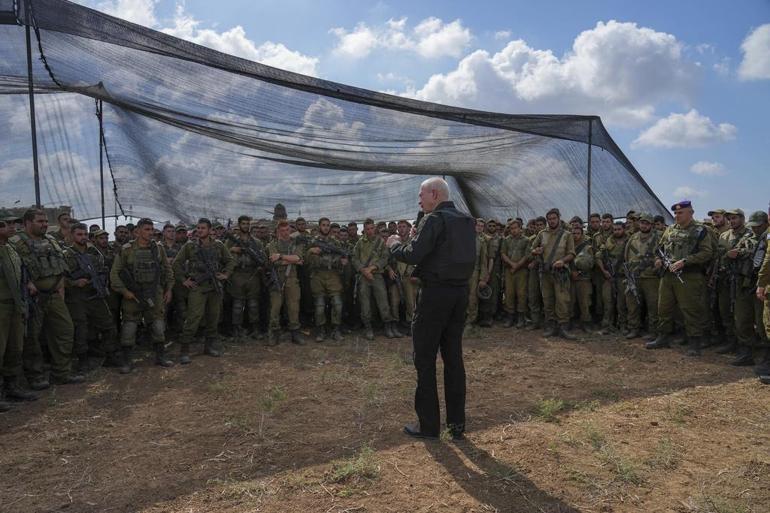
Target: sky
683,87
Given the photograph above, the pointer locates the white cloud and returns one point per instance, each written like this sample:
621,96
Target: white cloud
686,192
235,42
431,38
691,130
141,12
502,35
618,70
705,168
756,55
723,66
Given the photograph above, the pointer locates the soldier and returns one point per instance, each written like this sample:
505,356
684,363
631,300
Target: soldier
353,232
402,287
594,225
581,269
642,280
121,237
302,237
219,231
370,256
515,256
245,284
87,290
488,307
763,283
736,286
719,220
180,234
534,295
326,261
758,222
43,256
632,219
660,223
14,311
478,279
285,255
610,263
203,265
63,233
554,249
142,275
683,254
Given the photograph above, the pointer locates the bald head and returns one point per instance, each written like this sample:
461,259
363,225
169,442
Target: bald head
432,192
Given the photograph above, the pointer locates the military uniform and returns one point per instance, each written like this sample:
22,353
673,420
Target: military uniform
286,292
245,283
88,305
582,288
13,312
683,243
144,271
479,272
613,289
516,249
44,258
200,263
409,288
557,244
639,257
372,252
763,282
488,307
325,271
597,277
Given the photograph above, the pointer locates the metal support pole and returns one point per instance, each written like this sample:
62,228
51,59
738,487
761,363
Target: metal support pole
32,118
590,134
99,112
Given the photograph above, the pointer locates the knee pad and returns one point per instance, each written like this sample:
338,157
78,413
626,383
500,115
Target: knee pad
337,302
238,305
128,333
158,329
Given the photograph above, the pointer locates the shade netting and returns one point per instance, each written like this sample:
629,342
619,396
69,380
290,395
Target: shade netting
191,132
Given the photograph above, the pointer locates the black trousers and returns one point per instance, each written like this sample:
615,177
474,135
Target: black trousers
438,325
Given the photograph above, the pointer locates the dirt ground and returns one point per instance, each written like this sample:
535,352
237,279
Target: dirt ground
554,426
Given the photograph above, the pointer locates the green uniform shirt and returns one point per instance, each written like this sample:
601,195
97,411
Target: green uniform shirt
691,242
640,253
130,254
10,276
516,248
325,261
612,253
285,247
763,279
370,252
547,240
193,258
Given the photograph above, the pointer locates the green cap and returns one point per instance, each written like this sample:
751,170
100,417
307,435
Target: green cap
646,217
757,218
735,212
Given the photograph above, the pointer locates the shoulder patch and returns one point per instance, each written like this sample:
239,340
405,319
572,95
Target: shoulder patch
127,245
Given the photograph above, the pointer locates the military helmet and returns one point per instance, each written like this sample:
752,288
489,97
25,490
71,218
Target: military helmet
484,292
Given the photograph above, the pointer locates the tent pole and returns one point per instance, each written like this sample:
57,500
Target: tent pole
32,118
99,108
590,133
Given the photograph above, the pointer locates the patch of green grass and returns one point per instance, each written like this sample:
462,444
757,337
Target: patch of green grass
363,466
445,435
275,395
624,469
666,456
595,437
372,394
547,409
592,405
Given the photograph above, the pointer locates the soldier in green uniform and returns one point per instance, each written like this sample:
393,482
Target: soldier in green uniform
326,261
736,285
719,220
594,225
758,222
87,290
478,279
488,307
43,256
203,265
370,256
108,251
142,275
63,232
642,280
581,269
554,249
245,283
403,273
610,263
534,295
763,287
684,255
515,256
284,255
13,315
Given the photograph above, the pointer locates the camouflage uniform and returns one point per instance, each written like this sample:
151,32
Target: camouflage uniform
516,249
582,290
479,272
44,258
367,253
13,312
287,291
640,260
325,271
488,307
613,295
554,283
245,284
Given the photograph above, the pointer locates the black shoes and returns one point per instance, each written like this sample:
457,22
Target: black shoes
659,343
414,431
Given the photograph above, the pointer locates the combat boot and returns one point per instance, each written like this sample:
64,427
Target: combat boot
4,406
272,338
520,322
663,340
394,329
537,322
744,357
509,321
564,333
406,328
39,384
237,334
82,366
485,321
297,338
15,392
695,346
256,334
336,334
160,356
184,354
210,349
388,331
729,348
632,334
368,332
126,365
113,359
550,330
320,335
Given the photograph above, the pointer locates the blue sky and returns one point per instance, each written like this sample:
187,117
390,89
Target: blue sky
682,86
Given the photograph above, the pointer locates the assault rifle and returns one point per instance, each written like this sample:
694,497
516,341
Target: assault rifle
258,258
208,274
667,263
145,300
29,302
329,249
632,285
87,270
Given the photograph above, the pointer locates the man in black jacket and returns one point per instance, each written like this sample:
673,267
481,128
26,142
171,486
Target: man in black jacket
444,252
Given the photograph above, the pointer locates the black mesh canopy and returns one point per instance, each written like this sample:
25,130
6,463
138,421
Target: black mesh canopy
190,131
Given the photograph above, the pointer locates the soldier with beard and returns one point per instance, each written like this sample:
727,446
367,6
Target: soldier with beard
488,307
639,257
534,295
245,283
326,261
402,272
610,262
285,256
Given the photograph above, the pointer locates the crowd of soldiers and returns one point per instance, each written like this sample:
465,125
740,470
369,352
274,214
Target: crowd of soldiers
72,300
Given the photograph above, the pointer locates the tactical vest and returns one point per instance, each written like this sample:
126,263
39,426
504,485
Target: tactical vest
205,258
243,262
46,256
679,243
584,260
146,267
